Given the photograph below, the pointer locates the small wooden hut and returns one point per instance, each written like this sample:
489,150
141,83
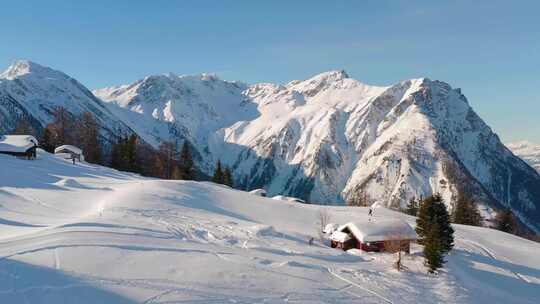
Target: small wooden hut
376,236
69,152
19,145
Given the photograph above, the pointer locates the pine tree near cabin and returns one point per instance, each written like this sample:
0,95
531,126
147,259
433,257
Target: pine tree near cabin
47,140
434,230
433,248
218,174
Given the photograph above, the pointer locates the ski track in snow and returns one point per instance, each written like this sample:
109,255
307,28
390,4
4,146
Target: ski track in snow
332,272
492,255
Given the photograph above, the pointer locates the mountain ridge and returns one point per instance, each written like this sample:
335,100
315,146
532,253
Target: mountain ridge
327,139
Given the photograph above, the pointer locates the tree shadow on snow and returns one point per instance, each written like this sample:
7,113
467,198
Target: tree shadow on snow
499,275
25,283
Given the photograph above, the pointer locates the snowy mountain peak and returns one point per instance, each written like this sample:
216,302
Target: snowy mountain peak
32,92
333,75
23,67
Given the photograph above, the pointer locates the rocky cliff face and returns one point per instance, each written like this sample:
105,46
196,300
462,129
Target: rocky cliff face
327,139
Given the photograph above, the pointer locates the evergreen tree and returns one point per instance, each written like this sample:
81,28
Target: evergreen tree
466,212
359,199
227,177
505,221
47,140
187,170
88,133
412,207
434,230
131,153
218,174
124,154
433,252
116,154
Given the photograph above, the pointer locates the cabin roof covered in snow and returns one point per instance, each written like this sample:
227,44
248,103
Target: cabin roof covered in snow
339,236
288,198
380,230
70,148
17,143
330,228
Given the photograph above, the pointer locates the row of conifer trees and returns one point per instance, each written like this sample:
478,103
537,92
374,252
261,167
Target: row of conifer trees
465,212
127,151
433,224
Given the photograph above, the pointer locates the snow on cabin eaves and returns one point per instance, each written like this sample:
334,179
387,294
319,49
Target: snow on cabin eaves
380,230
17,143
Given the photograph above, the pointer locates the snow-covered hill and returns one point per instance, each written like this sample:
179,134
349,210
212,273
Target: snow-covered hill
333,139
32,92
528,151
88,234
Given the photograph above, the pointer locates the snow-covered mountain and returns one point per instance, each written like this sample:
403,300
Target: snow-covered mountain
331,139
328,139
172,107
33,92
528,151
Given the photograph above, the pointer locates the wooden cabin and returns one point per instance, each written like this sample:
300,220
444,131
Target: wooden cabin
379,235
19,145
69,152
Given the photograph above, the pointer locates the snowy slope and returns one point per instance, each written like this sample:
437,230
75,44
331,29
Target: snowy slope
333,139
87,234
32,92
528,151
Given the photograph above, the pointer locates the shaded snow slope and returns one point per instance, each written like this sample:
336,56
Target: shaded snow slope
528,151
87,234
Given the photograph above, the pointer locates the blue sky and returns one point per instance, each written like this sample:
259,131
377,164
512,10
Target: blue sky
490,49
